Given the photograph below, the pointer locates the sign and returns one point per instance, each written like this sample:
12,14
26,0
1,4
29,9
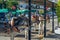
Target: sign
3,10
41,11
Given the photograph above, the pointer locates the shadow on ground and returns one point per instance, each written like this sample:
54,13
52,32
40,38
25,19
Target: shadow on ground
53,36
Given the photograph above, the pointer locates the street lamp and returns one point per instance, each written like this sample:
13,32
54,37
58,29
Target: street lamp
52,17
45,18
29,30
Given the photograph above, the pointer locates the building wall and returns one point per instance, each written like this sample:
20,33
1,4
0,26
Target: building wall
40,2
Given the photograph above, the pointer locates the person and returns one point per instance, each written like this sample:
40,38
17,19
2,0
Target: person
13,19
47,18
37,19
2,16
26,31
12,26
41,19
33,18
7,28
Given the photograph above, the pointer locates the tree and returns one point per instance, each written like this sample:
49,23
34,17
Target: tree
11,3
58,10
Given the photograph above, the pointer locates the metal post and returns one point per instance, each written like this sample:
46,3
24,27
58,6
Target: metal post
52,17
44,18
29,31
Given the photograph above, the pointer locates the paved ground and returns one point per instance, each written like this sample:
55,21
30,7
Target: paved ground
17,38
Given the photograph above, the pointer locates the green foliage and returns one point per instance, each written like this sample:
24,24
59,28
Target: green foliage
0,1
58,10
59,19
11,3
